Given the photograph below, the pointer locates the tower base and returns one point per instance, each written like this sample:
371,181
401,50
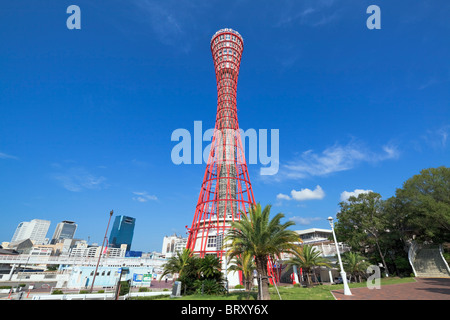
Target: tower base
231,276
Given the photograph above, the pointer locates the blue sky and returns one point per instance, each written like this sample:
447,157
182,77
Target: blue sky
86,116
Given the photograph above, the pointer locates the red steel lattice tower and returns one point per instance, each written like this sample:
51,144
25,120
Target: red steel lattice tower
226,189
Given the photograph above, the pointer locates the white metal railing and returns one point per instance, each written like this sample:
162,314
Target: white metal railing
330,249
443,259
327,250
87,296
412,255
147,294
97,296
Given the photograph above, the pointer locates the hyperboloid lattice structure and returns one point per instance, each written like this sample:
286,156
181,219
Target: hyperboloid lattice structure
226,190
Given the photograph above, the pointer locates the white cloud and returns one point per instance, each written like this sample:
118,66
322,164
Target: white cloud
347,194
300,15
444,132
334,159
173,22
281,196
304,194
144,197
437,138
7,156
311,13
304,221
391,152
307,194
77,179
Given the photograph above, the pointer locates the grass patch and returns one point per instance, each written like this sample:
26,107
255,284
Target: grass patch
323,292
320,292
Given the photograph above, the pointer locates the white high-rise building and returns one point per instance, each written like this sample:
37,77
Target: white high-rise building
173,244
35,230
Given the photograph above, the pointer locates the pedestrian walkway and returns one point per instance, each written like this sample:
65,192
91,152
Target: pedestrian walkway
422,289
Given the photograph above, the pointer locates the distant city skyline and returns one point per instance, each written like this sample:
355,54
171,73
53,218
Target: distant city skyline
86,115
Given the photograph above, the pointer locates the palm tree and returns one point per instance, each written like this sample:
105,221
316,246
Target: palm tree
246,265
177,263
307,257
354,264
210,267
255,234
209,278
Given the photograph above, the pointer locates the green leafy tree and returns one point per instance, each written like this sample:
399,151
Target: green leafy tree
194,271
258,235
362,224
354,264
380,229
425,201
191,275
124,288
245,264
178,263
397,237
209,268
209,287
308,257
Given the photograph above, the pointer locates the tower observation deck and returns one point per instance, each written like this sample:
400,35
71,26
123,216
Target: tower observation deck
226,190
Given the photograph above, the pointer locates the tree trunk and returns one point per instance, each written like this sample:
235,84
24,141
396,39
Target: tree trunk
247,282
263,282
308,278
382,256
246,279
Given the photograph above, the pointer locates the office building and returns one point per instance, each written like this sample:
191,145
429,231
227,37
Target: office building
122,232
35,230
64,230
173,244
82,249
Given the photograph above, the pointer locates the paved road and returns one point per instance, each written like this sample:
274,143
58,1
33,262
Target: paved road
422,289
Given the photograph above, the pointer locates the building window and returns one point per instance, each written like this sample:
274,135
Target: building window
211,242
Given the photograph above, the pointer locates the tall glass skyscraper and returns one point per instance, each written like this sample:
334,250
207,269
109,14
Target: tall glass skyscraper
122,232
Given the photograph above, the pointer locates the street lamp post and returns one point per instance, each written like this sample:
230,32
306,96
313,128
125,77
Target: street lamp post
101,250
347,291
